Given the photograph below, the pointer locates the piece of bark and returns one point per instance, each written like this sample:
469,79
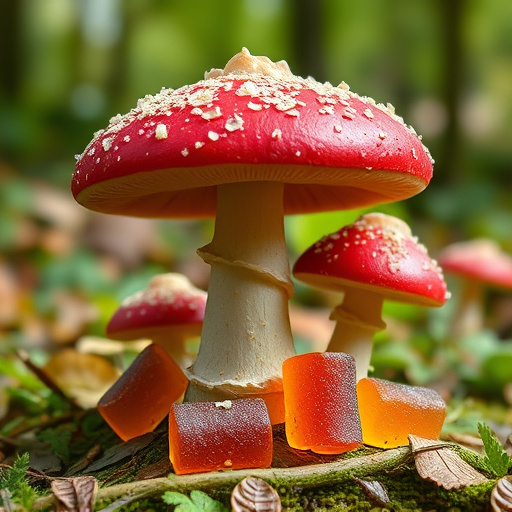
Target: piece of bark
437,462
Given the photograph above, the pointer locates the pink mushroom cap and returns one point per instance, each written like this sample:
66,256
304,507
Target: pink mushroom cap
480,260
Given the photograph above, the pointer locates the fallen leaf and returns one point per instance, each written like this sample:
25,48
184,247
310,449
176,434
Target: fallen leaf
106,347
437,462
122,451
43,376
85,461
469,441
501,495
254,494
73,313
85,377
160,469
74,494
375,491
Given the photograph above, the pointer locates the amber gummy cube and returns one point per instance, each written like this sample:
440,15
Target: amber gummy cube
141,398
208,436
390,412
320,402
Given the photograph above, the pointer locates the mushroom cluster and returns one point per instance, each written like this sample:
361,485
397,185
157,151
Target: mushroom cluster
374,259
249,144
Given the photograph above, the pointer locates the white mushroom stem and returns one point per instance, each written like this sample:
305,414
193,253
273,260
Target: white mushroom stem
246,331
175,344
357,318
469,314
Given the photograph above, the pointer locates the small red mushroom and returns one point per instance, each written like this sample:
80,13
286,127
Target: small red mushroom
168,312
248,144
373,259
477,263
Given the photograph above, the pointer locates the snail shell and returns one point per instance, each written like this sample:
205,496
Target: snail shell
501,495
255,495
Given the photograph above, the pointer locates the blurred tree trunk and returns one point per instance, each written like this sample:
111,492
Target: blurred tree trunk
450,157
10,48
306,38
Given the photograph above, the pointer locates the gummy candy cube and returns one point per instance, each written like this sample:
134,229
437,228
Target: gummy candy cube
390,412
208,436
320,402
140,399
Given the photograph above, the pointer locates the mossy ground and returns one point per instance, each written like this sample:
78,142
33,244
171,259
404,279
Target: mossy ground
334,489
305,481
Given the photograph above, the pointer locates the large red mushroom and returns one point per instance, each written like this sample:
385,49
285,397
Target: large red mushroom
248,144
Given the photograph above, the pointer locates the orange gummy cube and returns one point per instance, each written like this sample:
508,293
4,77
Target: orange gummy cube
320,402
141,398
209,436
390,412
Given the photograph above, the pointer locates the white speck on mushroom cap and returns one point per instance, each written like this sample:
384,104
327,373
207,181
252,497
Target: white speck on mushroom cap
234,123
213,113
277,134
257,77
161,131
107,143
254,106
369,113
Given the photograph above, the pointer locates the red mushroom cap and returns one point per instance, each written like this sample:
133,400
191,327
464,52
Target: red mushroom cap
377,253
252,121
170,301
480,260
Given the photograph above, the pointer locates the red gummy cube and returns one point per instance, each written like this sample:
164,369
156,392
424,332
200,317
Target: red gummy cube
140,399
390,412
320,402
209,436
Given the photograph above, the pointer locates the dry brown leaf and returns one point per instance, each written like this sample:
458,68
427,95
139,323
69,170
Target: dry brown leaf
73,315
375,491
9,297
469,441
437,462
85,377
42,375
74,494
157,470
501,495
254,494
85,461
106,347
